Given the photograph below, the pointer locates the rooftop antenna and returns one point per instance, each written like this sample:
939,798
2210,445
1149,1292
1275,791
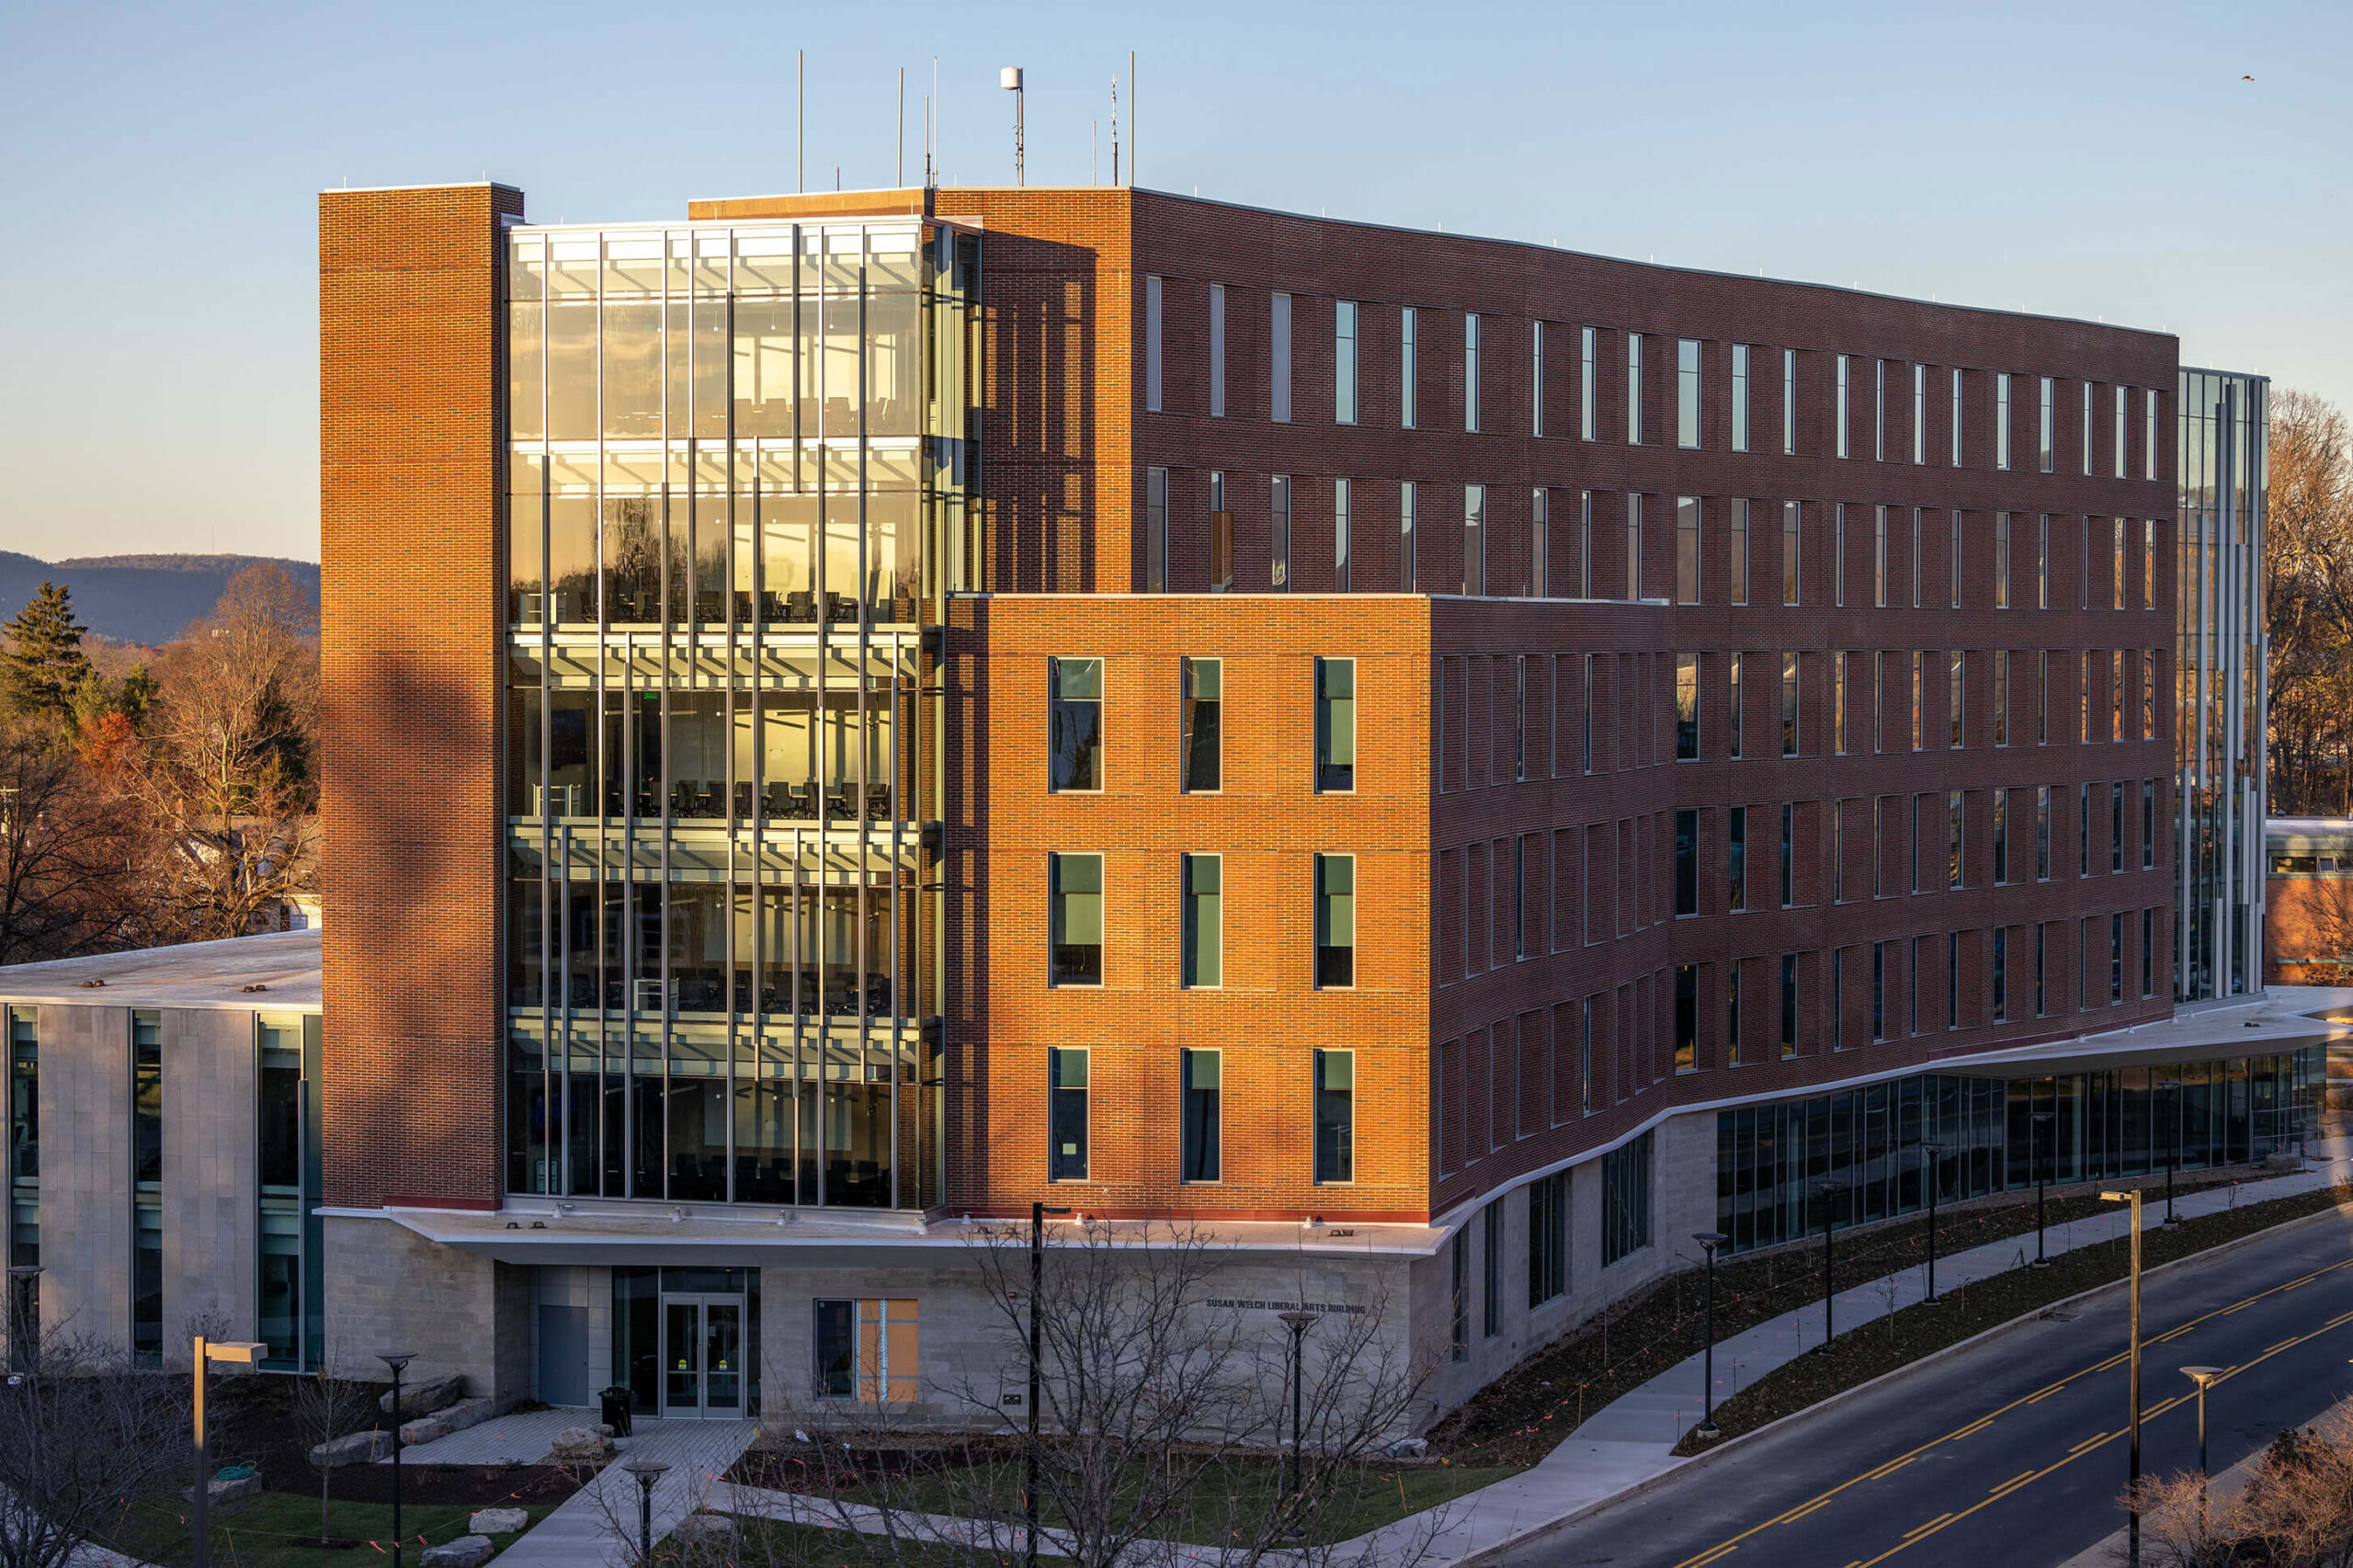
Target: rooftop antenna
1115,130
1010,80
926,141
899,179
800,120
1132,117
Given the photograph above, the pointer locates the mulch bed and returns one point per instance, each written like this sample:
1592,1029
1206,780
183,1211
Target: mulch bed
251,1420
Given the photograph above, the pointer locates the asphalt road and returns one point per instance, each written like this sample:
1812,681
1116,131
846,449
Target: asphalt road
2014,1452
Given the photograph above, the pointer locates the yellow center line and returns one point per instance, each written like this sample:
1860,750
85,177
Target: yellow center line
1889,1468
1715,1552
2022,1475
1972,1430
1937,1523
2091,1442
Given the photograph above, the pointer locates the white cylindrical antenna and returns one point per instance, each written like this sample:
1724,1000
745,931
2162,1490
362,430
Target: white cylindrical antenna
1010,80
1132,117
1115,130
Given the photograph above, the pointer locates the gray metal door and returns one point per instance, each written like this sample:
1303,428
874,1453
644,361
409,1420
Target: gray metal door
564,1355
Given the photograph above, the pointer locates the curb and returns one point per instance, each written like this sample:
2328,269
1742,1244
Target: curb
1537,1531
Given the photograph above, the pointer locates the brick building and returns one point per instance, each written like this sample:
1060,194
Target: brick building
1454,763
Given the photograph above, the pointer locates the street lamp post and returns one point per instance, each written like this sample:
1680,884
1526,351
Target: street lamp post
647,1473
206,1352
2173,1149
398,1361
1038,1212
2043,1124
2204,1378
1297,1321
1711,1239
2132,1472
1828,1190
1931,1152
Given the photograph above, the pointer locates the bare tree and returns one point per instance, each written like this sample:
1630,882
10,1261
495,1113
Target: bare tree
325,1405
2308,603
76,861
86,1440
228,746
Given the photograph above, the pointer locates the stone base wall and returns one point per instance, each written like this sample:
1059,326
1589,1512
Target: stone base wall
390,1289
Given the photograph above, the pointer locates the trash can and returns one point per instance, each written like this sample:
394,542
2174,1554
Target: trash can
613,1410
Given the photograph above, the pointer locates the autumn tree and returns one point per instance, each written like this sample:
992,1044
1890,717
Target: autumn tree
2308,605
75,858
43,664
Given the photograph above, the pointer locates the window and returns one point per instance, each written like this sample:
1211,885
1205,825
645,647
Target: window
1956,693
1586,382
1919,702
1625,1199
1879,558
1152,349
1736,859
1155,530
1952,980
147,1102
1686,1017
1789,552
1279,355
1740,397
1217,350
1278,529
1736,562
1077,919
2046,452
2083,830
866,1349
1789,1005
1588,712
2149,563
1687,549
1838,412
1536,378
1732,723
1789,704
1788,401
1731,1013
2116,826
1634,388
2089,424
1474,539
1204,934
1336,921
1878,411
2002,697
1879,990
2149,432
1540,516
1519,718
1838,555
1491,1268
2001,837
1076,726
2002,419
2001,561
1687,862
2115,959
1686,393
1336,1116
1066,1115
1202,683
1584,1057
2043,699
1789,859
2148,952
1687,707
1837,994
2148,824
1634,545
1220,537
2042,562
1956,416
1459,1267
2042,999
1919,414
1952,560
1838,702
1548,1238
1341,564
1407,368
1336,725
1406,535
1954,799
2122,397
2042,834
1200,1123
1344,362
1470,371
2000,974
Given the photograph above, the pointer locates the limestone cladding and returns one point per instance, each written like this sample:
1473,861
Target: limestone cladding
86,1211
390,1289
211,1194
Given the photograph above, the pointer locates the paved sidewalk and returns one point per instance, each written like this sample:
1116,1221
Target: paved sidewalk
581,1533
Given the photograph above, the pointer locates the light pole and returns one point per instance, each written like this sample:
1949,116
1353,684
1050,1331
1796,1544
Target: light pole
2204,1378
2172,1151
1297,1321
2133,1474
206,1352
1930,1151
24,1316
2042,1123
1038,1212
647,1472
1010,80
1828,1190
1711,1239
398,1361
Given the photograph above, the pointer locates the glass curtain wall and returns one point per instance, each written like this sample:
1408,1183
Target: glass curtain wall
1775,1163
736,495
2220,674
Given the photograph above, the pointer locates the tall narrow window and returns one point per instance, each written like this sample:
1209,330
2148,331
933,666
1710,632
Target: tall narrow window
2042,562
1789,1005
2042,833
2089,424
1548,1238
1634,388
2148,563
1474,539
1539,518
1687,862
1952,560
2148,433
1737,558
1954,870
2122,397
1279,360
2046,453
1344,362
1919,414
1839,703
1588,712
1220,537
1736,859
1278,529
1536,378
1837,999
1406,535
2148,693
1732,1012
1155,530
1584,544
1470,371
1204,935
1731,725
1687,707
1956,694
1336,921
1077,934
1686,1017
1878,557
1838,555
1740,397
1491,1227
1788,401
1788,704
2116,826
1335,726
2001,837
1686,393
1956,416
1586,385
2115,959
1789,552
1920,695
2116,563
1407,368
1687,549
2148,823
1075,731
1217,350
1879,990
2002,419
2002,697
1343,562
1202,696
1336,1116
1066,1115
1200,1133
2083,830
1152,343
2148,952
1519,718
1878,411
1838,410
2001,561
1633,544
1788,859
2000,974
2041,995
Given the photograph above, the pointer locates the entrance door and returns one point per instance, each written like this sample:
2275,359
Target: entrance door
702,1356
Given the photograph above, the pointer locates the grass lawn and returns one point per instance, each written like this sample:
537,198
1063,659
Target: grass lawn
260,1531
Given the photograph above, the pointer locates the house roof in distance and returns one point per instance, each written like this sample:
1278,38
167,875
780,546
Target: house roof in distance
276,973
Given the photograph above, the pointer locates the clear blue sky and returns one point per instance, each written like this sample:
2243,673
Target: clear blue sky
159,390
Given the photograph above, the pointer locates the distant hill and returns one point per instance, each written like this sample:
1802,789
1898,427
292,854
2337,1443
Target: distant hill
147,599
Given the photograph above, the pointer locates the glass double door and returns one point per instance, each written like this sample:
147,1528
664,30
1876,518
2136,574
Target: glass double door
702,1356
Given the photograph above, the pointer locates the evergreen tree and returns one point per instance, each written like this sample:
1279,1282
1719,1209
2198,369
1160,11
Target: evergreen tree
44,665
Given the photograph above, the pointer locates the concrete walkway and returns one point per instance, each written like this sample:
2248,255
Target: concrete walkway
597,1525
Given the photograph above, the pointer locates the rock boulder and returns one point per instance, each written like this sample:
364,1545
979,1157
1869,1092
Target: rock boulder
497,1521
466,1551
425,1397
358,1447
